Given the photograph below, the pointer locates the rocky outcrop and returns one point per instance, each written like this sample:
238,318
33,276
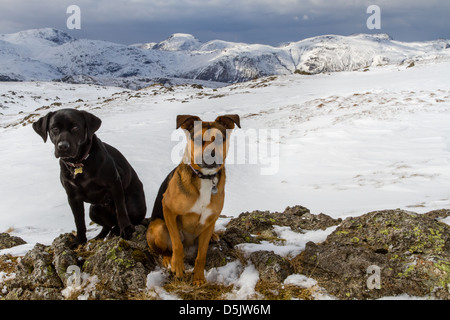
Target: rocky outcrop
8,241
403,251
381,253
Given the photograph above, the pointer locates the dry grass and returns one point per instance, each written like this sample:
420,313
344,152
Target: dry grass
8,263
278,291
184,289
9,230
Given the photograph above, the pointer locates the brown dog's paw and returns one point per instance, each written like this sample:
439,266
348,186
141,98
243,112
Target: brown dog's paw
214,238
166,261
198,280
177,267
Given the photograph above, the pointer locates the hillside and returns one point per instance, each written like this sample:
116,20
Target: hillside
50,54
366,152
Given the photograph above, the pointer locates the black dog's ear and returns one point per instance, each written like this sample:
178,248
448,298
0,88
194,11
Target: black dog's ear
41,126
92,123
229,120
186,121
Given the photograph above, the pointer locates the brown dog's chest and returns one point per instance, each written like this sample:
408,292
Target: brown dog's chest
203,210
196,207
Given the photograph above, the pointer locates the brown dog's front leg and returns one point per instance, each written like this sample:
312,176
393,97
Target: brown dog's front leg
177,263
203,243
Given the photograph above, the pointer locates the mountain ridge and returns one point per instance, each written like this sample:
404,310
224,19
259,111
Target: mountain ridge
49,54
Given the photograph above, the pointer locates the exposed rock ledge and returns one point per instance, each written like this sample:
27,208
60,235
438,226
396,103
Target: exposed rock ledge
381,253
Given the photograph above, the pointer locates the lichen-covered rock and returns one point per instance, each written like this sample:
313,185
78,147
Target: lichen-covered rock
36,277
260,223
234,236
8,241
63,255
219,254
271,267
438,214
407,252
411,252
120,265
36,269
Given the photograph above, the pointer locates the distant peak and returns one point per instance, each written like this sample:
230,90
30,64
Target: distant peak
179,42
50,34
375,36
182,35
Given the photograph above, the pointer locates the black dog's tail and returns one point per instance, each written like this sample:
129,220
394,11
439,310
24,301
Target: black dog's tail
157,212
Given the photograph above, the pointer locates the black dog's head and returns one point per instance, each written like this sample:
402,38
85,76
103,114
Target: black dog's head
69,129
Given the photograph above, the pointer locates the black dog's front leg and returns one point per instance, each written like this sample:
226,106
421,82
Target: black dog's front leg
123,220
77,207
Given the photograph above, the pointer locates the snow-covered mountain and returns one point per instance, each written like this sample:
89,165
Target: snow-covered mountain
50,54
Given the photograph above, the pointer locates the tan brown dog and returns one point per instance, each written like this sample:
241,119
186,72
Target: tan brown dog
191,198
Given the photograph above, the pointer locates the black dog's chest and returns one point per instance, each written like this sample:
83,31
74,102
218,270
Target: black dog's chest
87,190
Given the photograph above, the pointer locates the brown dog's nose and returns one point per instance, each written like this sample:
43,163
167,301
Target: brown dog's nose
63,146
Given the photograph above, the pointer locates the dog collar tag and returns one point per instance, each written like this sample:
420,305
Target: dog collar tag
76,171
214,189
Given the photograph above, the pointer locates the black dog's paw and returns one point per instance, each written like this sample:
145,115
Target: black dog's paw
79,240
127,232
103,233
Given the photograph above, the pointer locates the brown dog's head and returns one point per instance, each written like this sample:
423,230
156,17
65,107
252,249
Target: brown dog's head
207,141
69,131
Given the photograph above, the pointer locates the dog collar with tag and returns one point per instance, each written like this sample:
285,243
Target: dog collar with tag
78,166
212,177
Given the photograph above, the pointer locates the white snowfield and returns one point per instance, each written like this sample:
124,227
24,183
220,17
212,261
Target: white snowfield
348,143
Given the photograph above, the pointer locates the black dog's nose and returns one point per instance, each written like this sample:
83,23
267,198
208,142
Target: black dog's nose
63,146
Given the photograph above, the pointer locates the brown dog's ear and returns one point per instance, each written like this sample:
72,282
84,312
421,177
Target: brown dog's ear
41,126
92,123
186,121
229,120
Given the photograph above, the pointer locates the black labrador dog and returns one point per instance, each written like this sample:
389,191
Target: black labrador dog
93,172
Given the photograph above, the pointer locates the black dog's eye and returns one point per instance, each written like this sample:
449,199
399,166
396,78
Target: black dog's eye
74,129
55,130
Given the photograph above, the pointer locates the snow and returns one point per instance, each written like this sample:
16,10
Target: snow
300,280
49,54
245,284
291,243
83,289
244,279
349,143
178,42
155,280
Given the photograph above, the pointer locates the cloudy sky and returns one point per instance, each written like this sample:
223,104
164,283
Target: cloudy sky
252,21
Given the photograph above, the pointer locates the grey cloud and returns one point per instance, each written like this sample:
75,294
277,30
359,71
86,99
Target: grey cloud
263,21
